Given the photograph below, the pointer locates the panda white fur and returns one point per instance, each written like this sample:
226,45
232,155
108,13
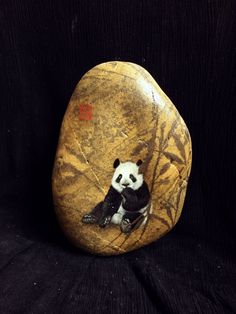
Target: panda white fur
127,200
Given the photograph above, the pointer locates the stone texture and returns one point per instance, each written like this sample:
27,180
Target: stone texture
118,111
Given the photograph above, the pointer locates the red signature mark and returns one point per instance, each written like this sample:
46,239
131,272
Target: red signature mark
85,112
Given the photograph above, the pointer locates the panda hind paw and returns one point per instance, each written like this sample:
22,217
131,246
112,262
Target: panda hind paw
89,219
126,226
104,221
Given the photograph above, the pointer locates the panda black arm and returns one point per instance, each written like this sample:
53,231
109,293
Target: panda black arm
143,195
136,199
111,203
130,196
113,198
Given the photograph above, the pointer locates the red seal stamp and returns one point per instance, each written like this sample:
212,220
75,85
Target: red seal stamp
85,112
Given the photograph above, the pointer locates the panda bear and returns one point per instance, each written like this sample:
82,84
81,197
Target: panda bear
127,201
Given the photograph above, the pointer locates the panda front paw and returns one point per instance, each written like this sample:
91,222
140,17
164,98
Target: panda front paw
89,219
104,221
127,192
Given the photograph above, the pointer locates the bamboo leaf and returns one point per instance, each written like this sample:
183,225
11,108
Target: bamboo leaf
164,181
180,146
173,157
165,222
164,168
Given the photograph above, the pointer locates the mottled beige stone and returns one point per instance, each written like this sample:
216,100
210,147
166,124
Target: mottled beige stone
131,119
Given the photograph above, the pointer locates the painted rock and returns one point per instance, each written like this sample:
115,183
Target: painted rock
122,163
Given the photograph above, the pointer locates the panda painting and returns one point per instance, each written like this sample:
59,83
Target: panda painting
127,201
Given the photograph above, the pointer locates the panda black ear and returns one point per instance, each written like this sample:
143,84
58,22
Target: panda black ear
116,163
139,162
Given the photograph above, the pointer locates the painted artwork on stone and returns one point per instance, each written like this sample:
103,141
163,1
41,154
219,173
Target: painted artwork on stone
123,161
128,201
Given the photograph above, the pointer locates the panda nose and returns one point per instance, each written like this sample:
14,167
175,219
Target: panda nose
125,184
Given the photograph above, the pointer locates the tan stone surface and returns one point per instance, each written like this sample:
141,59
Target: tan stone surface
131,119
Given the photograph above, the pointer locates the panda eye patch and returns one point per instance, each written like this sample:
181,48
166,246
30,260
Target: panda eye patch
118,178
132,178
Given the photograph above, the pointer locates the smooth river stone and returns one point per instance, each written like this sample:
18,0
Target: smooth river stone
118,111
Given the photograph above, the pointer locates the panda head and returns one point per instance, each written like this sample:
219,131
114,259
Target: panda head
127,175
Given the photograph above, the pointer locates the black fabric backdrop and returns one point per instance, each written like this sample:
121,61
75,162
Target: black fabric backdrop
46,46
